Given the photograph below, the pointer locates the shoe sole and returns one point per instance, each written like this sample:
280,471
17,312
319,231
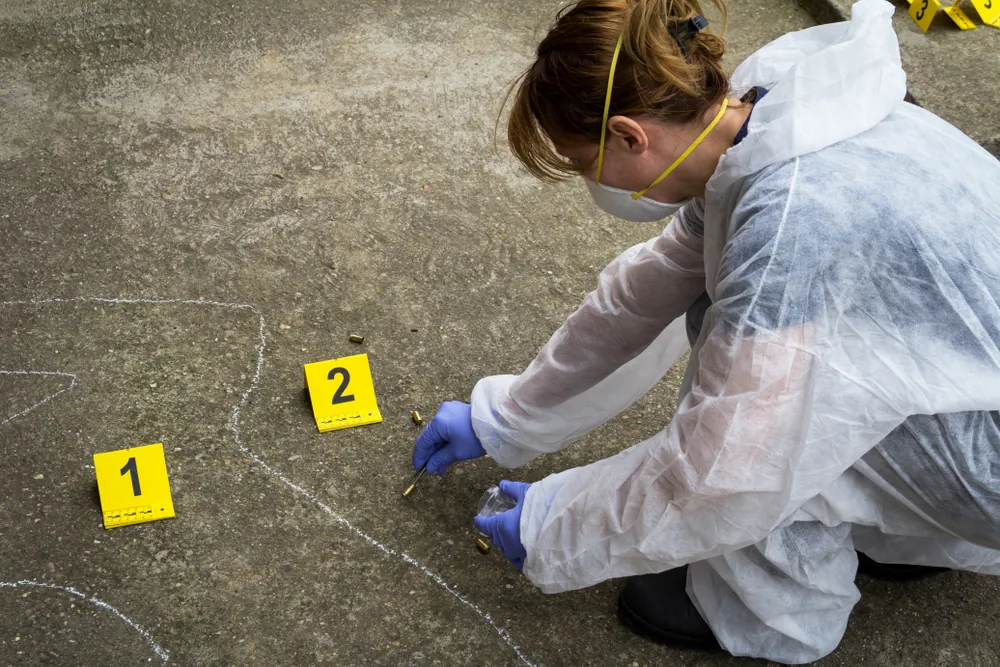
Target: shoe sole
639,626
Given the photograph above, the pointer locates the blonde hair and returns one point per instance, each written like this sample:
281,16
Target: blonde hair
560,98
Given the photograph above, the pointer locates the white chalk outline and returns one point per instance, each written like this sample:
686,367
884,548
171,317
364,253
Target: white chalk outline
45,400
234,427
94,601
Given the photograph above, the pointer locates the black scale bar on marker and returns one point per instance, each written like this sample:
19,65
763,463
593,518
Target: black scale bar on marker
129,515
344,418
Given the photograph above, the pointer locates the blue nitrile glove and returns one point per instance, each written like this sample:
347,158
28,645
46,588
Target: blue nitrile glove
447,439
504,529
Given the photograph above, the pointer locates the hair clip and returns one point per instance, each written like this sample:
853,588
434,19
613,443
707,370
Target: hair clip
687,30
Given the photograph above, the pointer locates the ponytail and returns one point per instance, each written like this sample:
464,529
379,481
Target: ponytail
664,70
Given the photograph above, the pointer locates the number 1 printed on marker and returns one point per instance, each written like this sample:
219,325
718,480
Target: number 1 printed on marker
133,470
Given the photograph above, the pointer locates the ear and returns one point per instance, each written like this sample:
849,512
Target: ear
628,134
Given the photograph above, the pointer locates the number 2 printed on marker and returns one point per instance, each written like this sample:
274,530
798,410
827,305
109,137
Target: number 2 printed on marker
338,396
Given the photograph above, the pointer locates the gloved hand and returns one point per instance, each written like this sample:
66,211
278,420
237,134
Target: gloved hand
447,439
504,529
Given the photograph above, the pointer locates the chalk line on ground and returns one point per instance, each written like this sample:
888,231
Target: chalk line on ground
234,427
45,400
94,601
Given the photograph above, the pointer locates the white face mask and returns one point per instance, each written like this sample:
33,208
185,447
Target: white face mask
621,204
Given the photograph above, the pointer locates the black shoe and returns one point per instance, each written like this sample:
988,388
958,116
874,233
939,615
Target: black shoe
657,607
886,572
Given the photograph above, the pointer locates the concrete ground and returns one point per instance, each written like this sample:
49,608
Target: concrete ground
190,188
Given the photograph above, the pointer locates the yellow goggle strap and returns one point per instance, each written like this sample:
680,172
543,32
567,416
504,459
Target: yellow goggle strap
607,105
684,155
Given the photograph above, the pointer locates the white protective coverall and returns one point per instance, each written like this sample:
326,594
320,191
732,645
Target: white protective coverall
843,391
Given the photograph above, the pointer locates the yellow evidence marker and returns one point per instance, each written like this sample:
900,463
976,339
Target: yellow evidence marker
989,11
342,393
923,12
960,18
133,485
